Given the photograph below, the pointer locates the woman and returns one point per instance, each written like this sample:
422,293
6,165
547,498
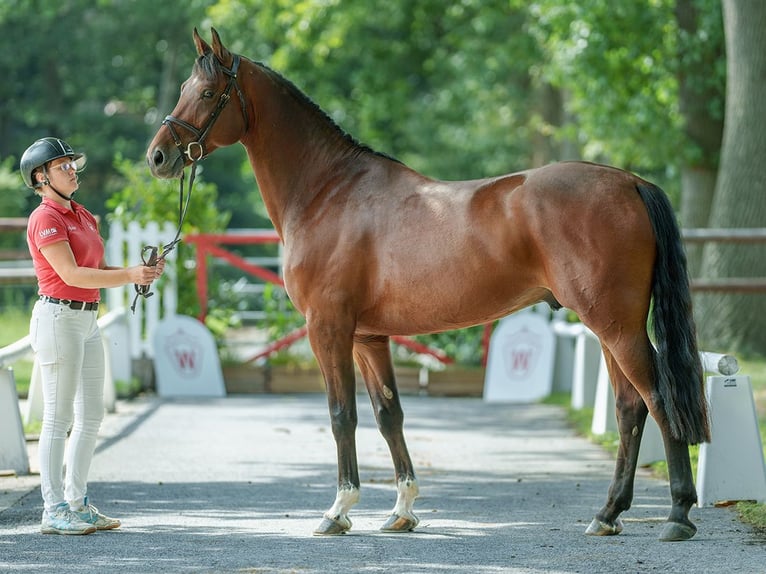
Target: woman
68,256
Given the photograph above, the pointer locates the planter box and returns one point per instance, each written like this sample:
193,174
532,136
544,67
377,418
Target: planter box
456,382
243,379
407,380
248,378
294,379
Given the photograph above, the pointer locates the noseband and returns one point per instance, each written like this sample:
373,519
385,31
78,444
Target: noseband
195,150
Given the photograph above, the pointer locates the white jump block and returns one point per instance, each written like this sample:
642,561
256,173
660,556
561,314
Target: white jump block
116,337
587,355
13,445
520,360
563,364
731,467
186,360
34,409
110,393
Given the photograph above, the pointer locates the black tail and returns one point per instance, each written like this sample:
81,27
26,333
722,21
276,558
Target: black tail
678,370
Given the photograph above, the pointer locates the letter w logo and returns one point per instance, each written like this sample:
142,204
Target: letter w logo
520,359
186,360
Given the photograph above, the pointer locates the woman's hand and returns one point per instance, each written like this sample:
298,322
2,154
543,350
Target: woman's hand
159,268
143,274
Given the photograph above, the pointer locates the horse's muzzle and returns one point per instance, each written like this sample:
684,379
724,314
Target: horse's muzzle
165,162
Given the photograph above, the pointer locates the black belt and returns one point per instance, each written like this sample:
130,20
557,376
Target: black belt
76,305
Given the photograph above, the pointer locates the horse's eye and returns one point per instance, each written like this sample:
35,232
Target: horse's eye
207,94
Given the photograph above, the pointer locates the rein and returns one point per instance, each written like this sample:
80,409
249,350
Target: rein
155,255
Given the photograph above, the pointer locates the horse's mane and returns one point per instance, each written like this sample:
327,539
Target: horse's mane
208,66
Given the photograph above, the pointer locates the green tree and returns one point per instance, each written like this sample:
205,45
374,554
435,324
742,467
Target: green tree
100,74
441,87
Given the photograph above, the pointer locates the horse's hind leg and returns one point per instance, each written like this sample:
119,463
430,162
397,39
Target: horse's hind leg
635,363
631,417
373,356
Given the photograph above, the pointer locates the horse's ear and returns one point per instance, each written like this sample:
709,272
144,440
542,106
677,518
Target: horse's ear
220,51
202,46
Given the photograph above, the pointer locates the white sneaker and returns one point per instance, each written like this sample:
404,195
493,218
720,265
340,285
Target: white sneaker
90,515
61,520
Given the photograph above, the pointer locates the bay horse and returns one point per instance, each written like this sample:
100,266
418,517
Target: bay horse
373,249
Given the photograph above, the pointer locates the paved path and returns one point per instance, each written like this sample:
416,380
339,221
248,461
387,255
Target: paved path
238,485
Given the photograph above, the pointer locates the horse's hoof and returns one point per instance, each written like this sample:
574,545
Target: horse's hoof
397,523
677,531
331,527
599,528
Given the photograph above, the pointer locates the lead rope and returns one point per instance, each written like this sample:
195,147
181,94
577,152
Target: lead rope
155,255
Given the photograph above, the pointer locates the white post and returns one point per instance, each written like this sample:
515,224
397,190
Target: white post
124,248
110,396
586,362
13,445
34,411
731,466
604,417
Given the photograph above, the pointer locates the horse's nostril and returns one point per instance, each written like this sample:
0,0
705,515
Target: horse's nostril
158,157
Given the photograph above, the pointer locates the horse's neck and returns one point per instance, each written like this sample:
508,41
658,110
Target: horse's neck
292,150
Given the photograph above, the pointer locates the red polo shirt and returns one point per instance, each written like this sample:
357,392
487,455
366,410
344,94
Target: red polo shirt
50,223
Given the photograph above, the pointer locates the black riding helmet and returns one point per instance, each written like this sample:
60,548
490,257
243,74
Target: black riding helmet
43,151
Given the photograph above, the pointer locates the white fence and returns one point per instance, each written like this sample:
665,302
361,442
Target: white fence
124,248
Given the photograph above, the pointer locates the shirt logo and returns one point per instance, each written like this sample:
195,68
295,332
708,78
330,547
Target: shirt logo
48,232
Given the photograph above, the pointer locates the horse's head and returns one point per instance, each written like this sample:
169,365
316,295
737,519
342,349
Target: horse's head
201,121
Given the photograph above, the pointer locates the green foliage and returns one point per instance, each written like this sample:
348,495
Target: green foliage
142,198
13,192
463,345
93,73
616,55
441,89
280,317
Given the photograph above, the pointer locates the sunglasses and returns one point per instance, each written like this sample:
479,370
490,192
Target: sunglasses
68,165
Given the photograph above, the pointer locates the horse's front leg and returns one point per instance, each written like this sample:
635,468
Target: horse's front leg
373,356
332,346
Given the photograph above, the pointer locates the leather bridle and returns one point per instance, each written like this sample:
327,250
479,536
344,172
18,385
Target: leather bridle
198,146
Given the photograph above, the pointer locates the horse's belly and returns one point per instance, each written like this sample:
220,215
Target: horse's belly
444,307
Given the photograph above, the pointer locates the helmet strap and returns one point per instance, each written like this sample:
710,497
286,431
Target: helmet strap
47,182
61,195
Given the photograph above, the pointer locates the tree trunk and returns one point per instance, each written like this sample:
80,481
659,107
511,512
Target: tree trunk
701,104
737,322
550,115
